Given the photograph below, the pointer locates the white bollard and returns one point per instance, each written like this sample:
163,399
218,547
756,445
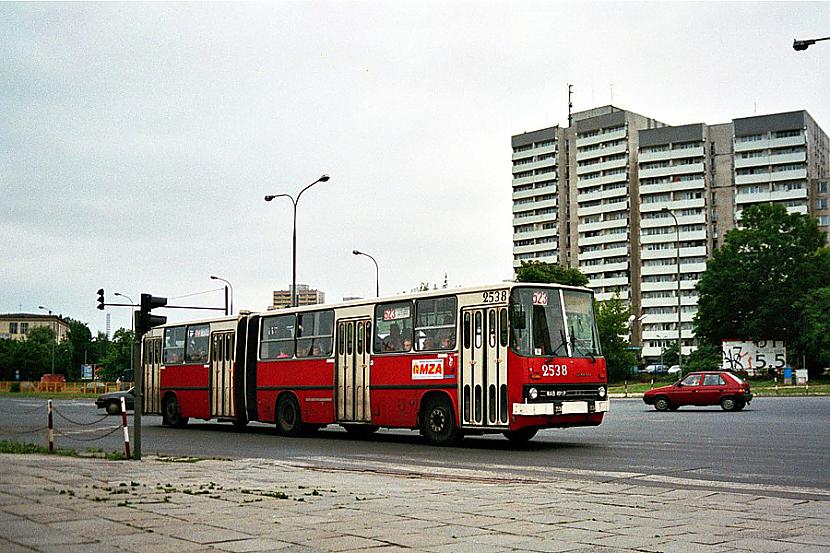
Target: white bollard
124,424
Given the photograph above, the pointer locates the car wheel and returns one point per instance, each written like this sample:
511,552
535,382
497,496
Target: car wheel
113,408
662,403
728,404
438,424
360,430
172,414
289,421
519,437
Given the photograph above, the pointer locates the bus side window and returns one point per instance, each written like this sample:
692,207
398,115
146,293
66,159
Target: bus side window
467,331
393,327
435,324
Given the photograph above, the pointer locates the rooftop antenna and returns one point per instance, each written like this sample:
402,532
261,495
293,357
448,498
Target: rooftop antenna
612,94
570,104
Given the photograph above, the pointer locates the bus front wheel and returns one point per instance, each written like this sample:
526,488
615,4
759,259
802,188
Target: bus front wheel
522,436
438,424
289,422
172,414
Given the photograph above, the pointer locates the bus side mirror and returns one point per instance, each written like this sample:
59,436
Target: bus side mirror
517,316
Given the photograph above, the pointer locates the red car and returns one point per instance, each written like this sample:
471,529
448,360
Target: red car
702,388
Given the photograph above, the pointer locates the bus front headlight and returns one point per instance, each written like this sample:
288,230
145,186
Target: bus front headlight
532,393
601,391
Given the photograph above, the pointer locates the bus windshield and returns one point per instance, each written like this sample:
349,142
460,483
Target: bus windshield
538,323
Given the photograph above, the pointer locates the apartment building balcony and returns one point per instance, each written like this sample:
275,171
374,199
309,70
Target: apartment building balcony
672,205
524,180
550,162
795,174
602,137
522,194
534,234
657,318
671,253
535,205
687,168
763,161
554,259
670,286
603,195
623,294
602,239
544,218
602,166
551,149
696,151
531,248
597,282
669,302
663,187
603,150
605,179
786,142
771,196
603,225
607,252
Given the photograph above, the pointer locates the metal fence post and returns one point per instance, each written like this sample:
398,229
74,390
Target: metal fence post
124,424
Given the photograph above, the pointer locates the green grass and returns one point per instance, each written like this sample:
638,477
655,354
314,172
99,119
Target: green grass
22,448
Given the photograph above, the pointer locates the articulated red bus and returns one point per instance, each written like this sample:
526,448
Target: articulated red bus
510,358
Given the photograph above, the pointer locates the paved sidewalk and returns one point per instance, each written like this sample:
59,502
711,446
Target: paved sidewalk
50,503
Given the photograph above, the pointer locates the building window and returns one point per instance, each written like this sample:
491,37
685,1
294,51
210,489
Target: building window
824,220
822,187
24,328
12,328
821,203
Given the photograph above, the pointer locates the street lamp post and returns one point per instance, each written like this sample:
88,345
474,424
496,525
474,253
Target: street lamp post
54,338
679,313
268,198
799,45
132,328
228,285
377,271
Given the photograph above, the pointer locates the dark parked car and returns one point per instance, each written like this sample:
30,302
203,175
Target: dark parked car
112,401
702,388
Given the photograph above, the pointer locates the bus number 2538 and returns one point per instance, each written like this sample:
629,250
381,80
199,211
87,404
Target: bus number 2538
554,370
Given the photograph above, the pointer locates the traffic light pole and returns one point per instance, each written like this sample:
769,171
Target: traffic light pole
138,373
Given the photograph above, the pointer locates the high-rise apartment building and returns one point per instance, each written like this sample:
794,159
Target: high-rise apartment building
603,195
305,296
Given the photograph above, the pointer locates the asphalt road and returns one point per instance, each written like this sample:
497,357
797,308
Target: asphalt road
773,442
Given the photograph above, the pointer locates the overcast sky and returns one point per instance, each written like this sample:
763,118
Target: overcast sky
137,140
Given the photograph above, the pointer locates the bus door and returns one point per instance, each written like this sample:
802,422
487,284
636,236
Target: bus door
483,384
151,365
221,374
352,370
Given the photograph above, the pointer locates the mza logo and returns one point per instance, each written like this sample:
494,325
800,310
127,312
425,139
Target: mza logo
427,369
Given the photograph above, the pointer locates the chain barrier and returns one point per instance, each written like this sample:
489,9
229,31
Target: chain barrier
21,432
77,439
64,417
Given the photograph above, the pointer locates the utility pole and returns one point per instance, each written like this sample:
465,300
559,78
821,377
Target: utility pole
570,104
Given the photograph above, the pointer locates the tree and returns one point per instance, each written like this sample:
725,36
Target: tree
117,358
539,271
754,283
612,325
814,322
706,357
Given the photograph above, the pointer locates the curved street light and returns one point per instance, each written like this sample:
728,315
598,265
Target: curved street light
800,45
54,338
268,198
679,313
377,271
229,285
132,328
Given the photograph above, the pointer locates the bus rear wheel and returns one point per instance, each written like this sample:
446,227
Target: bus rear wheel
522,436
289,421
172,414
438,424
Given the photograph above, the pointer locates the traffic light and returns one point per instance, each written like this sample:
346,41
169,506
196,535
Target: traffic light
146,320
101,299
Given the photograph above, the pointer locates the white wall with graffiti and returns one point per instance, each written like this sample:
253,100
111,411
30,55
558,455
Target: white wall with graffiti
754,357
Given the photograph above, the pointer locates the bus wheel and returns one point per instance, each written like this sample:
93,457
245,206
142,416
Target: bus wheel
438,425
360,430
172,415
289,422
240,422
518,437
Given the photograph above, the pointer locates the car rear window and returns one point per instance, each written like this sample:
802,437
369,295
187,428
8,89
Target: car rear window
735,377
